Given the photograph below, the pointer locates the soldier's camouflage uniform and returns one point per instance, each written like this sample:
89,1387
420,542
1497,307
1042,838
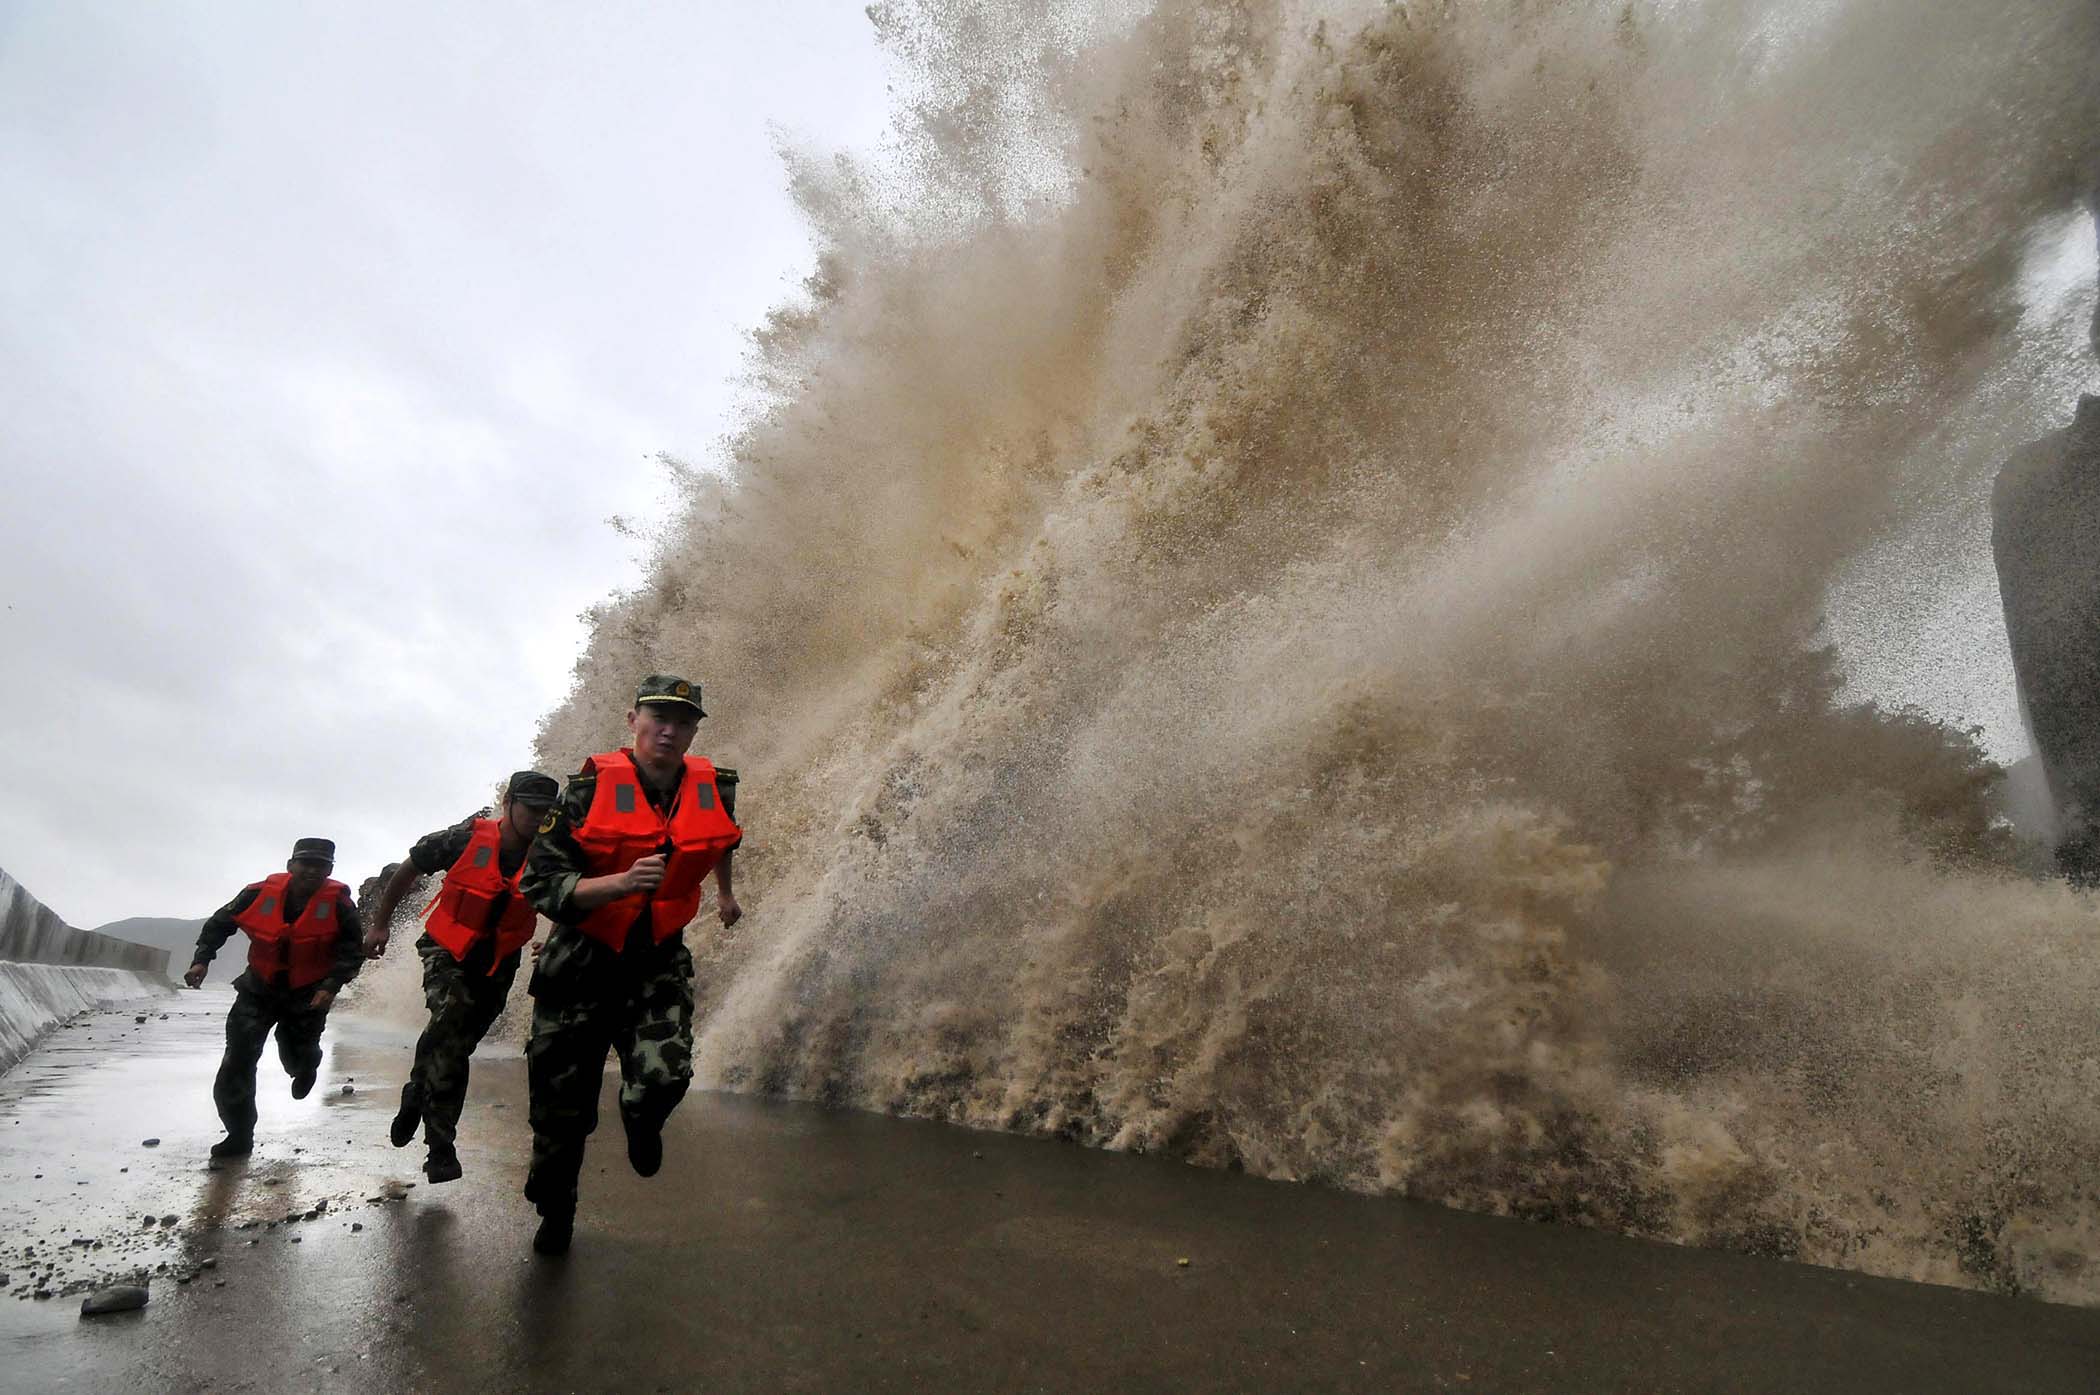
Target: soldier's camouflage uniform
463,996
261,1003
589,999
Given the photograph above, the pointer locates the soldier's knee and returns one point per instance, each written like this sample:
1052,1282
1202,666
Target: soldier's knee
664,1061
244,1045
564,1128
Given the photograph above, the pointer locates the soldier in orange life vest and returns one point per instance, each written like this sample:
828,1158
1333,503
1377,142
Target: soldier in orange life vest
303,947
475,928
619,868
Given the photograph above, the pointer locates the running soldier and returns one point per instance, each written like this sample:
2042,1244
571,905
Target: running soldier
475,929
619,868
303,947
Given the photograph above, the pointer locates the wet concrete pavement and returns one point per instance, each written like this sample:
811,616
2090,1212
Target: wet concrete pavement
785,1247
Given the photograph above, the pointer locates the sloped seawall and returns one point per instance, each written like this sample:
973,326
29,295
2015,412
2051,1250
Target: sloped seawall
50,971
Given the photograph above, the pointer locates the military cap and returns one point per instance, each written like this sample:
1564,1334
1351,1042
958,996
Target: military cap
531,787
314,850
665,688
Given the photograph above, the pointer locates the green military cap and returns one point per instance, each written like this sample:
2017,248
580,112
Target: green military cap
531,787
314,850
666,688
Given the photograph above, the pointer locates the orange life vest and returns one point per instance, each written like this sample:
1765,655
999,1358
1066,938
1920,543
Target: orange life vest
303,951
465,908
623,827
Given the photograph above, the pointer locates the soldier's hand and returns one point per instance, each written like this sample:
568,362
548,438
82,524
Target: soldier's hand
375,943
193,975
728,909
537,946
645,875
322,998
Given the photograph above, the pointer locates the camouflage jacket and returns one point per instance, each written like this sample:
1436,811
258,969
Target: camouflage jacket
574,966
436,852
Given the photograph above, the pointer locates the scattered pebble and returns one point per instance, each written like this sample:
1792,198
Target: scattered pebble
209,1262
167,1220
150,1143
1181,1263
119,1298
354,1225
349,1089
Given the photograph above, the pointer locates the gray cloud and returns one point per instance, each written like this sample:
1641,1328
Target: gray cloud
328,340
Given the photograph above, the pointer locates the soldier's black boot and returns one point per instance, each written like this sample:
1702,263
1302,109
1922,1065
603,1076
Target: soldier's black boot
645,1143
408,1119
554,1233
233,1145
442,1165
303,1083
645,1149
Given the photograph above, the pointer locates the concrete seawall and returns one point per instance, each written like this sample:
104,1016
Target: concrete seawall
49,971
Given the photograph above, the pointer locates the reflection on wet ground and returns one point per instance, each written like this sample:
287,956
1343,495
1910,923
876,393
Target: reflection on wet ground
784,1247
106,1173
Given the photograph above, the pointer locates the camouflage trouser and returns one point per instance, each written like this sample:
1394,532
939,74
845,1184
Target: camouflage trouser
256,1009
463,1002
650,1027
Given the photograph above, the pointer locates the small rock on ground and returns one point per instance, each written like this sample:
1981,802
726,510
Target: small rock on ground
120,1298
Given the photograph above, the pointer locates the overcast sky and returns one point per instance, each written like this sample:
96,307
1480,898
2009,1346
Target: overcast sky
330,336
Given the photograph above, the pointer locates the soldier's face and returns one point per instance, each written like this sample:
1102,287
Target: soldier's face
524,818
663,731
307,876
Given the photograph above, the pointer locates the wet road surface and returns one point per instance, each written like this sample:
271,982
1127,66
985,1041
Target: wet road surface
784,1247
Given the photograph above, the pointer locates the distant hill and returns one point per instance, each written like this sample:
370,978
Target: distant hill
160,931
